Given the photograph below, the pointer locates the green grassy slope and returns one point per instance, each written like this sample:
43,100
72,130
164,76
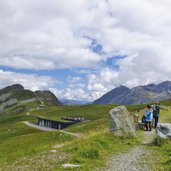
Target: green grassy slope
18,141
161,153
30,148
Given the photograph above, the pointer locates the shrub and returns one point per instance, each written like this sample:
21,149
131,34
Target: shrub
91,154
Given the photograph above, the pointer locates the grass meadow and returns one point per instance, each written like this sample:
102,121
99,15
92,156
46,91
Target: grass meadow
25,148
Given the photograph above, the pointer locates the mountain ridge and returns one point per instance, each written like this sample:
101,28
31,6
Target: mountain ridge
137,95
16,94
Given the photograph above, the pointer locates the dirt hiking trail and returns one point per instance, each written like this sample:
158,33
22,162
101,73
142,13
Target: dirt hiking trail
136,159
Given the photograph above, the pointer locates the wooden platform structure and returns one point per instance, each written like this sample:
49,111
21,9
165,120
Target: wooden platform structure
68,118
56,124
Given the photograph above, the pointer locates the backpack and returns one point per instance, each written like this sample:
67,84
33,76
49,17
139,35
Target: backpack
143,119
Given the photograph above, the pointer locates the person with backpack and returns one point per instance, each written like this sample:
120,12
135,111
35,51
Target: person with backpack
156,115
149,118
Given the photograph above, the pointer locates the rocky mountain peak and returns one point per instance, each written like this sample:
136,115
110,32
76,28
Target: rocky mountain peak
137,95
16,94
47,97
13,87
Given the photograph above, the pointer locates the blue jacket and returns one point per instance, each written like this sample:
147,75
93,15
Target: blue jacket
149,115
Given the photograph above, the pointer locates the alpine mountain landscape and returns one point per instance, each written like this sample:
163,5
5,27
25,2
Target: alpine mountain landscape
85,85
137,95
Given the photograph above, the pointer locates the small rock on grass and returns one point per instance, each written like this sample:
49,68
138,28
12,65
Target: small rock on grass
53,151
70,166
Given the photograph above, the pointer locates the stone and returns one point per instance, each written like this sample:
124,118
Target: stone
163,132
53,151
70,166
121,123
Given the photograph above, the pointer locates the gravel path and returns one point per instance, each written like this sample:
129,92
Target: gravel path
136,159
42,128
130,161
38,127
148,137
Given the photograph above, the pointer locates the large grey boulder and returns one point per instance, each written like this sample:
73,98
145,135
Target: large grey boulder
163,132
120,122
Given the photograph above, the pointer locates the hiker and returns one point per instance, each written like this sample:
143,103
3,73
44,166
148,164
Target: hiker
149,118
156,114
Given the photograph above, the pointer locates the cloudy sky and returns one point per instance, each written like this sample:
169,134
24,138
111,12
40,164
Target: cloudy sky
80,49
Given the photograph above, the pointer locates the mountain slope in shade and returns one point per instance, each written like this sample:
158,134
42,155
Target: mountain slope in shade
16,94
137,95
118,93
47,98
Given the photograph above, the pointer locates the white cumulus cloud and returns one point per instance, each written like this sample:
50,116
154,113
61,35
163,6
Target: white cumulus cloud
59,34
29,81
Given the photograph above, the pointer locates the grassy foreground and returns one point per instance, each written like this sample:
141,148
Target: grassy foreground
163,152
160,154
25,148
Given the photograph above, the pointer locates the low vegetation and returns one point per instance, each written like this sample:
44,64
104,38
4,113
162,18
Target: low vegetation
26,148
